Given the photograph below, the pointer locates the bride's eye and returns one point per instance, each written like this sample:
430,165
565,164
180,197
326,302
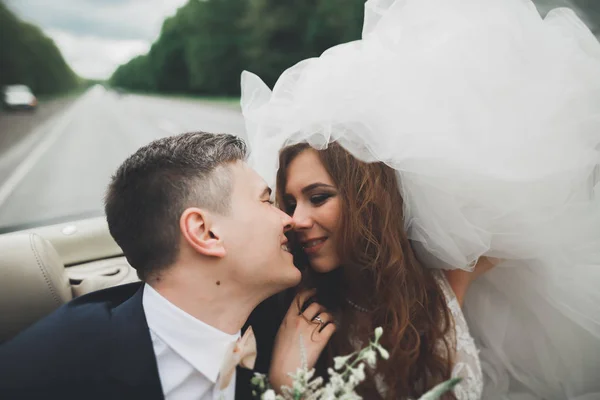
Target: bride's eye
319,199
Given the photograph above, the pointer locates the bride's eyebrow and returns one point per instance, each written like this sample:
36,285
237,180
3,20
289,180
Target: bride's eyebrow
317,185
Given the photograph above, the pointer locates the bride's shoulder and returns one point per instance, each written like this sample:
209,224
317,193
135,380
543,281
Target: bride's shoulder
444,285
466,356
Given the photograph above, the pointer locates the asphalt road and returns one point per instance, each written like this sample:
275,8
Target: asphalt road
60,170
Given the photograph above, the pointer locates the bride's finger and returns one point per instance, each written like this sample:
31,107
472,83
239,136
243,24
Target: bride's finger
302,297
323,332
312,311
324,319
327,331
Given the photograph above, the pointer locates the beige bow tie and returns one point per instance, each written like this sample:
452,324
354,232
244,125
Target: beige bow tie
241,352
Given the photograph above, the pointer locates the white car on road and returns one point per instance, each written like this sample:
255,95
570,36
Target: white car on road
18,97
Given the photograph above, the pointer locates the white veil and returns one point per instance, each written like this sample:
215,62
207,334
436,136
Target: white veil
491,117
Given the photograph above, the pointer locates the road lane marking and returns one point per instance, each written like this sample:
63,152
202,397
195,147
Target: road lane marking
56,130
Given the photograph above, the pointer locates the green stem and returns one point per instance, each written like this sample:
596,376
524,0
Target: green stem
358,359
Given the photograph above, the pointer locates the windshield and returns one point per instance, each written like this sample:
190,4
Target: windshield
113,75
17,89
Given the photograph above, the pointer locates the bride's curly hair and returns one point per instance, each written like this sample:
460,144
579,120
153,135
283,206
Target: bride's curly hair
379,271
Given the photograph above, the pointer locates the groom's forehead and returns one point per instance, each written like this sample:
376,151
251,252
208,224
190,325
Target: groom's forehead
246,177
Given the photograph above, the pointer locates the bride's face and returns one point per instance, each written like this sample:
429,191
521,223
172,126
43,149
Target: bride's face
312,199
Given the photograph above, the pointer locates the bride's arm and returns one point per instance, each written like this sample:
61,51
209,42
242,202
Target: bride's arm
460,280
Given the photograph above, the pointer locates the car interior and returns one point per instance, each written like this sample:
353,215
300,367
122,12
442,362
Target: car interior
43,268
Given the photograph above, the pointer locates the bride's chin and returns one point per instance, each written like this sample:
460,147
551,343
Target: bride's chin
323,267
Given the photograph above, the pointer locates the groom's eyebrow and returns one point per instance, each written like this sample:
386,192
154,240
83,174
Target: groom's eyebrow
317,185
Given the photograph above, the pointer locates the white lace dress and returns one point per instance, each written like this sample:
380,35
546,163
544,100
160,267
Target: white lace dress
466,359
466,356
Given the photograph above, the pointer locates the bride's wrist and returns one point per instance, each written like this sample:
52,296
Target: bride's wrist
277,381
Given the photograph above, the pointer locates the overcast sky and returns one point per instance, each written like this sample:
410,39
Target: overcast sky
95,36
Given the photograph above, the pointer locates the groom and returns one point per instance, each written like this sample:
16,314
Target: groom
197,224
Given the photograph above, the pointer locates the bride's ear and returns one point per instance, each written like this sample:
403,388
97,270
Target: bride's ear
196,227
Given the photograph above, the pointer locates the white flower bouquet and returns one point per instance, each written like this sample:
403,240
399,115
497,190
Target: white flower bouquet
348,372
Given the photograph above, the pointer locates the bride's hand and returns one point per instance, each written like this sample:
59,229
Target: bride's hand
287,353
460,280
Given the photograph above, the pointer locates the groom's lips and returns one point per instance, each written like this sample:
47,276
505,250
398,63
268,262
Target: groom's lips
284,246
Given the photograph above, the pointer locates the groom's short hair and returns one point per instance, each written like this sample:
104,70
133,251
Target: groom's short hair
152,188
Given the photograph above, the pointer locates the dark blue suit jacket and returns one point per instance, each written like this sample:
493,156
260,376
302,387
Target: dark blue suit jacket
98,347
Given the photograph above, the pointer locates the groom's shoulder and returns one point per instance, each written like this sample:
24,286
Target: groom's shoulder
76,334
99,304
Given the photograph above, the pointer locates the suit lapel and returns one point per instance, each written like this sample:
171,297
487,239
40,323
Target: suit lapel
132,359
243,391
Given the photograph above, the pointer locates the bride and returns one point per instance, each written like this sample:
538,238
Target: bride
490,117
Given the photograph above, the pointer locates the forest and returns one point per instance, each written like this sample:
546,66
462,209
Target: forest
28,56
204,47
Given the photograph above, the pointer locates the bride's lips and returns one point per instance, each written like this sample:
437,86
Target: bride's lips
312,246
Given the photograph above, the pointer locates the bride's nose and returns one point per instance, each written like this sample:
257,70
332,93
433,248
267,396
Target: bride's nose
302,218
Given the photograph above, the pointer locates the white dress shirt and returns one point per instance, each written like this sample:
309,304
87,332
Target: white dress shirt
188,351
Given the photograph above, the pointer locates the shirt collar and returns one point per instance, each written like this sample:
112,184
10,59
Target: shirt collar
200,344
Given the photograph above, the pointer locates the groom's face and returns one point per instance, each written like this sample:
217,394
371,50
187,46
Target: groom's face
254,235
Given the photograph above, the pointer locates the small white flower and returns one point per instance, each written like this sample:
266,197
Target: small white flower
269,395
378,333
339,362
327,393
298,386
336,381
383,352
359,372
370,357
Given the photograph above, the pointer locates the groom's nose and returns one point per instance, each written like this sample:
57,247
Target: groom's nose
288,222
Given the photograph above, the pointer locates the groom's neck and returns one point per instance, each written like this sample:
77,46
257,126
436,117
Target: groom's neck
223,306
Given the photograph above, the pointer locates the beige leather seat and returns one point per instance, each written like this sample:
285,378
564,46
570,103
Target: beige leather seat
101,274
33,282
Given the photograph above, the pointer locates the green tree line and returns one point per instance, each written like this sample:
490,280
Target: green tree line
203,48
29,57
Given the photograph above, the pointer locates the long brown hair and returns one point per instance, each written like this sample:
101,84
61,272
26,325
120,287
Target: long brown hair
380,272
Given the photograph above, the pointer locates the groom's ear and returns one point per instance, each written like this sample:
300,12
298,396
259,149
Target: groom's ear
196,227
